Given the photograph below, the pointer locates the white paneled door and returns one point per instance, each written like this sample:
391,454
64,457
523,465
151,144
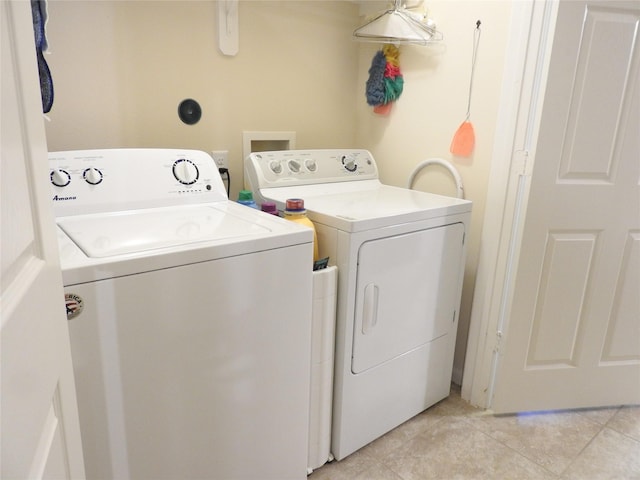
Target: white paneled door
573,336
40,430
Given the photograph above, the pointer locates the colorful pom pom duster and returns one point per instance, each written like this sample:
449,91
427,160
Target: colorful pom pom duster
385,82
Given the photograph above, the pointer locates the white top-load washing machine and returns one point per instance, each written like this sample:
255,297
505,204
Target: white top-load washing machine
400,255
189,316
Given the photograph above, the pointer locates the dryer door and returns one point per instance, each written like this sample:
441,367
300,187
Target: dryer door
407,293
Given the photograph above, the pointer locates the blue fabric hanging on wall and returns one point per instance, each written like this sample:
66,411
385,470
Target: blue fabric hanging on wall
39,13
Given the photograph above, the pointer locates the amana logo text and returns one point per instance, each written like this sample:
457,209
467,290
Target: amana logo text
58,198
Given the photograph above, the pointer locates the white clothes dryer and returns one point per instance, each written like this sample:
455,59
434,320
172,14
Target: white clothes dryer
189,317
400,255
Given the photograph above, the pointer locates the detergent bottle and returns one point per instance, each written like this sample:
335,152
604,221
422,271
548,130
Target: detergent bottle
270,207
295,211
245,197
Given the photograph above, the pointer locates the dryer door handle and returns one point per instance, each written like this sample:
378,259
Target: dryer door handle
370,308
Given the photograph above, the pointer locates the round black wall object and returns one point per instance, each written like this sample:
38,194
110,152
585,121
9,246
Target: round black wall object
189,111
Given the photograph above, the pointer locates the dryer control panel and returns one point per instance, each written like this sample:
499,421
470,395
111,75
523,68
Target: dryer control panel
306,167
111,180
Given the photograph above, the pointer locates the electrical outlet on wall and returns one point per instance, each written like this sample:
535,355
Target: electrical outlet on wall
221,157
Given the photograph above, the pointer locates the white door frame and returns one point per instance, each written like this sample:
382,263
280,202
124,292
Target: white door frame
524,82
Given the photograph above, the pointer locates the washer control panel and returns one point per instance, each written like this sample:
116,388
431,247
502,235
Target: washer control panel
304,167
92,181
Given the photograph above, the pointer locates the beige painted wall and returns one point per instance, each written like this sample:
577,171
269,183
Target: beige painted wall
432,106
121,68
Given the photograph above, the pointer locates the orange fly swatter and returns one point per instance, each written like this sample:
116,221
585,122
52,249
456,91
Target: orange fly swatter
465,138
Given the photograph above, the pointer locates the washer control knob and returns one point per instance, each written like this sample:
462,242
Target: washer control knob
60,178
275,167
185,171
311,165
294,166
92,176
349,163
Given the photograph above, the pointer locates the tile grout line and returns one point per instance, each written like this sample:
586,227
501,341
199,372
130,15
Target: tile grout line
573,460
520,454
620,408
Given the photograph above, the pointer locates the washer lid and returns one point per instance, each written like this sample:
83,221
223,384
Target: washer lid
108,234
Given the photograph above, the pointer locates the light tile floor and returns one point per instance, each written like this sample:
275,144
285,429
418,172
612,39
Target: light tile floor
453,440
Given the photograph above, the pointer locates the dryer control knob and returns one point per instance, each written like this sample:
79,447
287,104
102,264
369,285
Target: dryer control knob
311,165
60,178
275,167
92,176
349,163
185,171
294,166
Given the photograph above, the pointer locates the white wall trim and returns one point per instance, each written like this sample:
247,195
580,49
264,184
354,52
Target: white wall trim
524,82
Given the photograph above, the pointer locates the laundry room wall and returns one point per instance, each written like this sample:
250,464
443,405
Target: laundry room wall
121,68
433,103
